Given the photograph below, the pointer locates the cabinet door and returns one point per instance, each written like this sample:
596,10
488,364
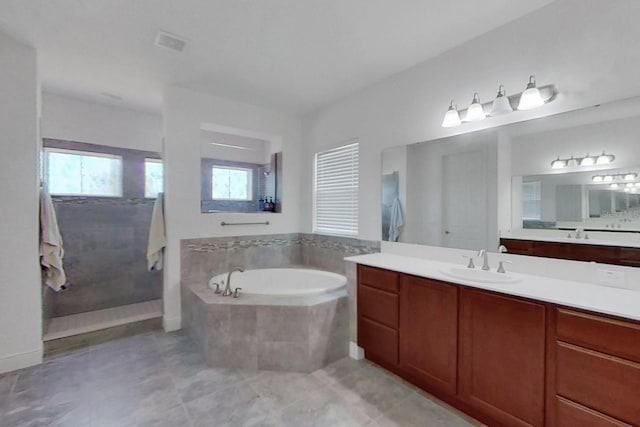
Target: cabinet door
429,332
502,350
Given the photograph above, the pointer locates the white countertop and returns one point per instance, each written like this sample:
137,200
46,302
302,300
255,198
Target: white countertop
601,299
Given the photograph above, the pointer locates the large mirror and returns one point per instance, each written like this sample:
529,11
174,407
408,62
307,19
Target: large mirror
239,174
468,190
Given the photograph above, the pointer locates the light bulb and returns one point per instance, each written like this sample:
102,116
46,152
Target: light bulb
501,104
587,161
531,97
475,112
605,159
451,117
558,164
607,178
597,178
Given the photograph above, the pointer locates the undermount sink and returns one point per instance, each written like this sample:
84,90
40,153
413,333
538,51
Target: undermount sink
478,275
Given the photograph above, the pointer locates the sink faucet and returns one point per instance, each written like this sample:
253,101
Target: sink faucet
579,231
485,262
227,289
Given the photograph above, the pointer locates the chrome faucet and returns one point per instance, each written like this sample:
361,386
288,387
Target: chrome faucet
579,232
227,289
485,263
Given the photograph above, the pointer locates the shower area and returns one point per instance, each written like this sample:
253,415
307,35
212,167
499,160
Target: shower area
103,199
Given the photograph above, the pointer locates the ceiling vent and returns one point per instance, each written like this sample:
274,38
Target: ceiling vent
169,41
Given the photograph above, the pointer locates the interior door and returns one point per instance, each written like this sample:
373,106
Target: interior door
464,207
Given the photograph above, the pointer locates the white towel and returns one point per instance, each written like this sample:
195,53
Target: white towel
157,239
396,221
51,248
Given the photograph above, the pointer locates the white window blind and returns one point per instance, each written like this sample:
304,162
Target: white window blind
336,191
531,198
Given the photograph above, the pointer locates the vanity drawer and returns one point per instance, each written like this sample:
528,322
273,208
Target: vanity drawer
603,334
378,341
571,414
630,256
603,383
378,278
378,305
518,247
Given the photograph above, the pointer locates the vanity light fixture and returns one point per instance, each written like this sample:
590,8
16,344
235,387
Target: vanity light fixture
531,97
475,113
607,178
605,159
630,176
637,184
629,184
597,178
451,117
627,190
501,104
614,185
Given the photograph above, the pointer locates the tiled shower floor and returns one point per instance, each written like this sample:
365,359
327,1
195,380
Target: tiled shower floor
76,324
162,380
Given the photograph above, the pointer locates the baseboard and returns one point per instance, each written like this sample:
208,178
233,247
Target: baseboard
355,352
171,324
20,361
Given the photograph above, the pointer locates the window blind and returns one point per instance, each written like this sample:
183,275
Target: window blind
336,191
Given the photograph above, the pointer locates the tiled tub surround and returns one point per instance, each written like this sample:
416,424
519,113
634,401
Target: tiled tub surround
294,334
210,319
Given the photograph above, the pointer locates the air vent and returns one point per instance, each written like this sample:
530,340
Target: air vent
169,41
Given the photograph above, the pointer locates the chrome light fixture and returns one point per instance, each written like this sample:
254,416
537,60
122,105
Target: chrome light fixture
531,97
630,176
605,159
451,117
501,104
475,113
607,178
597,178
614,185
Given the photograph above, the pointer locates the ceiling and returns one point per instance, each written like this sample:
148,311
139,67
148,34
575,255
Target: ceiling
292,55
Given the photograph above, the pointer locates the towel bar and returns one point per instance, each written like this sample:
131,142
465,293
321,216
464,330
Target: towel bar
244,223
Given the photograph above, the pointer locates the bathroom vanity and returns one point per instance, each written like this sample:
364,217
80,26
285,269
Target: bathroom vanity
531,351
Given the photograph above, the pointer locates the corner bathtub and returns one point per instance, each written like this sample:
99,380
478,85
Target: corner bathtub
283,282
285,319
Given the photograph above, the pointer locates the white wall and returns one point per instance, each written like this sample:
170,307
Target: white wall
185,113
20,286
77,120
580,45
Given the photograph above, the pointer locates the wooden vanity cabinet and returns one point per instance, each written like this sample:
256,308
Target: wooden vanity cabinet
502,357
429,332
593,376
378,314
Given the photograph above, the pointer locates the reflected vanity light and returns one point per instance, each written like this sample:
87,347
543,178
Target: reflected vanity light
532,97
597,178
602,159
629,176
614,185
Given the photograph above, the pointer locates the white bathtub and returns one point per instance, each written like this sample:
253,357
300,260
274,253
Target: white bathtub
282,282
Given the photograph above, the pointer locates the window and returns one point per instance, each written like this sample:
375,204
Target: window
80,173
531,200
153,178
336,191
228,183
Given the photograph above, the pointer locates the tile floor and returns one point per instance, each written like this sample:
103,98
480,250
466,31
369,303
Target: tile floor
162,380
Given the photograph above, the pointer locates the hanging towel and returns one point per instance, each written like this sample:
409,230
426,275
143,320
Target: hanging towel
157,240
395,221
51,249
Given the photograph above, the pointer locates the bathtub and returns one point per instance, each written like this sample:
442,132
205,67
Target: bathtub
282,282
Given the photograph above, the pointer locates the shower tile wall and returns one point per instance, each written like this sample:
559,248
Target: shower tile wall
105,241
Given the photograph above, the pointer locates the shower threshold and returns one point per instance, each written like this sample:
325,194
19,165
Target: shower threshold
92,321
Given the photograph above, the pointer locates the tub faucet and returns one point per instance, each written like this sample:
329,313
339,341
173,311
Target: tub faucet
227,289
485,263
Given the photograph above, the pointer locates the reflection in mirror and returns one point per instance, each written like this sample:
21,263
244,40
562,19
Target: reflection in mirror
442,192
469,190
239,174
606,200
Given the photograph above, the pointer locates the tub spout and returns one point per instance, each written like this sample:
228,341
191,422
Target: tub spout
227,289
